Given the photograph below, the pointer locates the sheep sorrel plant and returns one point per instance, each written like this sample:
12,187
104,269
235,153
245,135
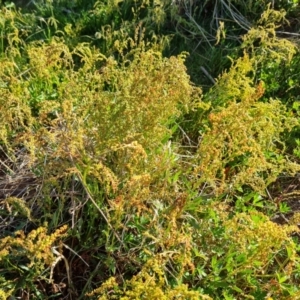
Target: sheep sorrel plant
95,136
25,258
245,256
243,143
149,283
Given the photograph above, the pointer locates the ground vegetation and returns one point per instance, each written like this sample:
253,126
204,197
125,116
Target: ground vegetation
149,149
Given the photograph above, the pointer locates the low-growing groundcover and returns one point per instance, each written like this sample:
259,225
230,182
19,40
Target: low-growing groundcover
120,178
